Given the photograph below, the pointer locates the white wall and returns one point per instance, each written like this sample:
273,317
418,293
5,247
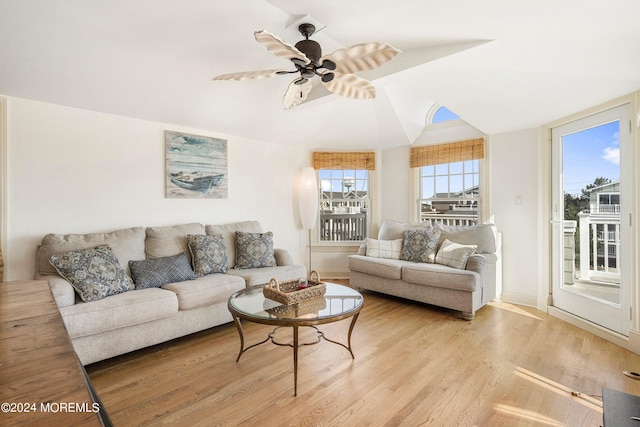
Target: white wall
78,171
396,186
514,160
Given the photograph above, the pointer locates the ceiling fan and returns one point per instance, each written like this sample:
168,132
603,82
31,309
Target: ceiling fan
336,71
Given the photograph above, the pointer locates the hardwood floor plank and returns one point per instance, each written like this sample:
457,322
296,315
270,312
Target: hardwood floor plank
414,365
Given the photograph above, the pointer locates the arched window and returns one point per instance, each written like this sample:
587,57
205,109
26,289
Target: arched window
440,114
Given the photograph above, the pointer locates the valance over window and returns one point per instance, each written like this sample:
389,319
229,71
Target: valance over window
365,160
470,149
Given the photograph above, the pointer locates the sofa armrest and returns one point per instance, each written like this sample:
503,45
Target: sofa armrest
62,291
283,257
476,263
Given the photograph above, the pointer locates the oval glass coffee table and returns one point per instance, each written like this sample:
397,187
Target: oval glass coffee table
339,302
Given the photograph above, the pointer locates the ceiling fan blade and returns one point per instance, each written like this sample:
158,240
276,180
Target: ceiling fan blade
361,57
244,75
278,47
351,86
296,93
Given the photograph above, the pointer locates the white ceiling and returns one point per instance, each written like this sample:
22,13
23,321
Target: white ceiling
501,65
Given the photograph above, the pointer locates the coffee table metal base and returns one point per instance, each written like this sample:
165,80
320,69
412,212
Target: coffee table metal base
295,344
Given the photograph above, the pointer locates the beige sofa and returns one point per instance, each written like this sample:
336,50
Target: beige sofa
464,289
139,318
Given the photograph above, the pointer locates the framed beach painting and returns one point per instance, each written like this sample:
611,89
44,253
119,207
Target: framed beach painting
196,166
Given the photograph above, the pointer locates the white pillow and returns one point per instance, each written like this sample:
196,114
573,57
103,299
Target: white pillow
454,254
384,248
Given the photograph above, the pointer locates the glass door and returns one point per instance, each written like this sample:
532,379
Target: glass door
590,218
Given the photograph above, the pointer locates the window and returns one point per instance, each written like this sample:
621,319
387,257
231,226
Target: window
344,195
439,114
443,114
449,181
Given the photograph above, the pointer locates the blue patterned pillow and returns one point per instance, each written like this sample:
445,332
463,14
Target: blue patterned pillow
94,273
254,250
208,253
153,273
420,245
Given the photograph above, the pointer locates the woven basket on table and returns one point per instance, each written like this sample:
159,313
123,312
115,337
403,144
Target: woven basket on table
287,293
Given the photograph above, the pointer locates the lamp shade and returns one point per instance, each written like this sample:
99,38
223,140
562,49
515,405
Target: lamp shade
308,197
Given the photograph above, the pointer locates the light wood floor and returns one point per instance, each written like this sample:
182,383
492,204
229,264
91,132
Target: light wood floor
415,365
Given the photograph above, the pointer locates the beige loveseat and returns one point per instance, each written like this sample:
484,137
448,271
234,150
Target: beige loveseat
139,318
466,288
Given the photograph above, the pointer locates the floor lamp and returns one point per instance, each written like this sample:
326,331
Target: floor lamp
308,202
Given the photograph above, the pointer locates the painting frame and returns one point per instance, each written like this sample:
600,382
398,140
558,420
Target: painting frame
196,166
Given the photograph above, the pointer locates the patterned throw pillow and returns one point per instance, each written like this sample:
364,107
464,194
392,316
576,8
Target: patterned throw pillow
454,254
153,273
420,245
208,253
254,250
94,273
383,248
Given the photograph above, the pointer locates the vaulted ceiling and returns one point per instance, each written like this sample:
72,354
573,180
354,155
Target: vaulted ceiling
500,65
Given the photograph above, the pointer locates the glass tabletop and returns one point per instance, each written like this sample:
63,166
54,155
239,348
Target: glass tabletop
338,301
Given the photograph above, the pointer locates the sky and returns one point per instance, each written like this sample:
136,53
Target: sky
590,154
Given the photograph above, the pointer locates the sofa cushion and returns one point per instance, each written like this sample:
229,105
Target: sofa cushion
171,240
254,250
261,276
454,254
208,253
440,276
484,236
228,232
153,273
119,311
420,245
383,248
127,244
205,291
383,267
95,273
391,230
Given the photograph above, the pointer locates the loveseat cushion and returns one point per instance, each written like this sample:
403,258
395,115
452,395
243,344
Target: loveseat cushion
454,254
119,311
261,276
382,267
484,236
383,248
205,291
391,230
127,244
170,240
228,232
440,276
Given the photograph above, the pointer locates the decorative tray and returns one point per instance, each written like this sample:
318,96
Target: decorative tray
294,291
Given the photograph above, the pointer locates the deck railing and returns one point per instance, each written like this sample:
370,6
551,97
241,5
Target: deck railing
599,246
339,227
451,219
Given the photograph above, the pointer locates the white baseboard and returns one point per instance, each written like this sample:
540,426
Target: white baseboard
628,343
520,299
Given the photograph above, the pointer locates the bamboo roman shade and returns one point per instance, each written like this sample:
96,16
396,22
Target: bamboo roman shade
344,160
470,149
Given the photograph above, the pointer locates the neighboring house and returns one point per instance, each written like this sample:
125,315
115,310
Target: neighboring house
599,229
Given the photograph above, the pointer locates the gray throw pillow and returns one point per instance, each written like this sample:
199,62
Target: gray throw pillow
420,245
254,250
208,253
94,273
153,273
